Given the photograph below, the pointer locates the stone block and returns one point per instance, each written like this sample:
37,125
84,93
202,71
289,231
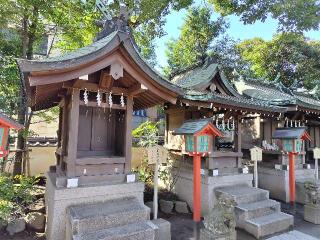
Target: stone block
58,200
150,206
207,235
16,226
181,207
163,231
112,213
35,221
136,231
166,206
312,213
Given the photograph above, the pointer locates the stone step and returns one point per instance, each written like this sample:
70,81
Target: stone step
137,231
293,235
103,215
246,211
268,224
243,193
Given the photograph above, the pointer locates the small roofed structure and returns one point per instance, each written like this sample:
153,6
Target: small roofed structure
197,127
97,88
199,135
5,124
291,133
291,139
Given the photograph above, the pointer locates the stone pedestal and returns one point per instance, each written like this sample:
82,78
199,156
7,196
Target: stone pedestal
59,199
184,187
207,235
277,182
312,213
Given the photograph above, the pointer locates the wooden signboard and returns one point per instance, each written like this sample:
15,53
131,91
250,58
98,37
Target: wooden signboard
316,153
157,154
316,156
256,154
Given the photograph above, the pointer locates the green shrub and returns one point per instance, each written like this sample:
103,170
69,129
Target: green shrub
15,195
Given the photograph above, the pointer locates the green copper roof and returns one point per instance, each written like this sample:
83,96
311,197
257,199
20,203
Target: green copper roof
199,77
239,102
195,76
277,94
95,46
191,127
289,133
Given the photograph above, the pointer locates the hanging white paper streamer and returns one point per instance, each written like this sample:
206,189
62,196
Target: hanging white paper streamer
110,100
122,100
98,98
85,97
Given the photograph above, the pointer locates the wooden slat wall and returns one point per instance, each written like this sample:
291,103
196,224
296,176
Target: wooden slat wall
85,128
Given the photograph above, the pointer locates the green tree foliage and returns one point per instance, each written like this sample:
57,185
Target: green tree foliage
292,15
290,55
193,44
227,55
25,23
15,195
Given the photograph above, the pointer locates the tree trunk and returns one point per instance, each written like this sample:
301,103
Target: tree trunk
22,106
28,38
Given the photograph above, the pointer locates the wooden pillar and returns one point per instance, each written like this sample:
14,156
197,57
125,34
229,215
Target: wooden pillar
292,177
317,137
128,134
73,133
196,187
238,140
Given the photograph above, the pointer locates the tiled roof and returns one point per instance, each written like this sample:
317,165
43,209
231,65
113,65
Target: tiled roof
96,46
232,101
289,133
307,101
198,76
191,127
193,77
277,94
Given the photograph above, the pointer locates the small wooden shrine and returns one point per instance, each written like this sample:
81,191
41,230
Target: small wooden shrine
6,124
96,88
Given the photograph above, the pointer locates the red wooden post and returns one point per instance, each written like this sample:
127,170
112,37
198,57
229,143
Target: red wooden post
197,187
292,177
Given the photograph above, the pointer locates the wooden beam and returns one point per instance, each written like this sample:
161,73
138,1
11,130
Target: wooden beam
106,80
137,89
103,105
94,87
128,134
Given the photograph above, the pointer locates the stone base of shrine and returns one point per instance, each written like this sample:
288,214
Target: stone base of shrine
184,187
59,199
277,183
312,213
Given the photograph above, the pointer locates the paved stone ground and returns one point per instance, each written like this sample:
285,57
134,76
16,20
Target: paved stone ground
183,228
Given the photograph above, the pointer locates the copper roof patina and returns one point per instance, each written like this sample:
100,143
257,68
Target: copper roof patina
275,93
